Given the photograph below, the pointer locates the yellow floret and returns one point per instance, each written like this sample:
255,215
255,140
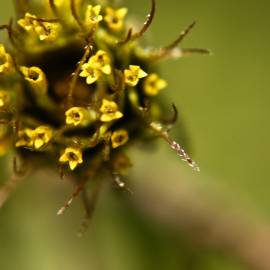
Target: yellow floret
109,110
72,156
133,75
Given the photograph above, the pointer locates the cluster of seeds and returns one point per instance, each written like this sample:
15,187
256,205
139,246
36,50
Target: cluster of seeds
75,90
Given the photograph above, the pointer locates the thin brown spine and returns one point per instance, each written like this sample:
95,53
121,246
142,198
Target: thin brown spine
89,204
127,38
175,146
42,20
54,8
181,37
148,21
191,51
174,118
75,193
11,34
116,177
21,7
76,75
75,13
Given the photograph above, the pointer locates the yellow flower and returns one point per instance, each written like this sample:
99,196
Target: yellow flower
72,156
75,116
92,75
39,136
115,18
47,31
133,75
5,60
28,22
23,138
36,78
101,61
4,98
119,137
153,84
92,15
109,110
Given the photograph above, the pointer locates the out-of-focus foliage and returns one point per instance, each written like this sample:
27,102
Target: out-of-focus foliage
224,103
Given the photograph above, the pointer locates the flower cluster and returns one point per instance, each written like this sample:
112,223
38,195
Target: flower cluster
77,89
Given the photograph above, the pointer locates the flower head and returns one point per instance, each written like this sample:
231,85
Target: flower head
76,83
119,137
153,84
72,156
92,15
133,75
115,18
75,116
101,61
109,110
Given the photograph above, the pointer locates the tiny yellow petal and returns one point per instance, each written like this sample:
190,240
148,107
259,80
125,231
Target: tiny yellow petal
97,9
73,165
121,12
111,116
91,80
92,15
38,143
142,74
107,69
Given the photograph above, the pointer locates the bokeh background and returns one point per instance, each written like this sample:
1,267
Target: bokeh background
176,219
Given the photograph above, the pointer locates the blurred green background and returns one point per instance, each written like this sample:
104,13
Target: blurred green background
224,103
